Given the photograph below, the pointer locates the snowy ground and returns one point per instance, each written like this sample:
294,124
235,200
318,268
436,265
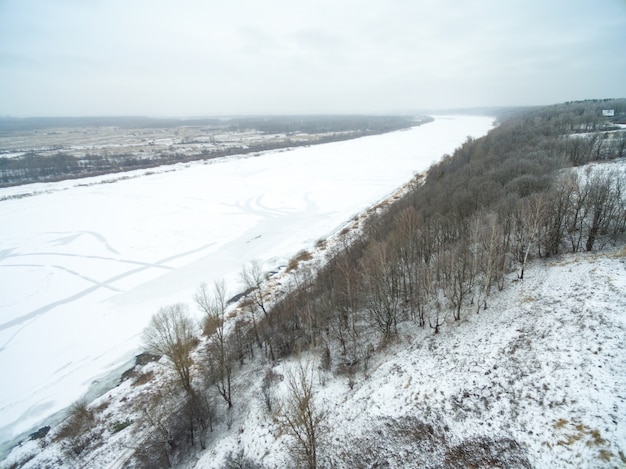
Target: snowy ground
536,380
85,263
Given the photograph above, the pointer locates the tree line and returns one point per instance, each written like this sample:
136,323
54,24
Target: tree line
440,250
55,164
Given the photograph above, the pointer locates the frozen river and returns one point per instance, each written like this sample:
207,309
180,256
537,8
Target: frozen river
84,264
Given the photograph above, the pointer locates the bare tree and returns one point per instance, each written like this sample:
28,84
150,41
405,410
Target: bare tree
267,387
381,280
531,216
300,417
172,333
577,213
156,449
78,431
620,146
168,429
490,240
220,361
345,304
405,240
253,278
256,300
461,275
172,421
561,198
605,206
424,291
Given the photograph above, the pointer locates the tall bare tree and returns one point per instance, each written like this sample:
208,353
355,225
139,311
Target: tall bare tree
461,275
531,215
561,198
382,283
605,206
405,240
253,278
300,416
220,360
172,333
490,242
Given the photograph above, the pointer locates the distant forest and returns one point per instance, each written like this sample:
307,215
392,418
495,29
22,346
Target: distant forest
46,166
269,124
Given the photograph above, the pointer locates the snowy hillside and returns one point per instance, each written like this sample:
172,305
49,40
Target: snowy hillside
535,380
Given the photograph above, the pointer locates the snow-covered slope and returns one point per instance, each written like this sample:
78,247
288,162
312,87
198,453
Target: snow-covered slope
536,380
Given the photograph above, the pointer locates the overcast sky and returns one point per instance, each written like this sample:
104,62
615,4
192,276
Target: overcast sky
217,57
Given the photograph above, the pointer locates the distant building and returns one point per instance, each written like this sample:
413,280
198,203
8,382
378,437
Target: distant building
608,112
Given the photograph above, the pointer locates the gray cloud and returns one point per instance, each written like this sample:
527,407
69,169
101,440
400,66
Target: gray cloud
192,57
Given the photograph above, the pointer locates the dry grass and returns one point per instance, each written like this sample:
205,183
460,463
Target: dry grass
77,430
596,439
620,254
210,325
605,455
143,378
102,407
560,423
581,432
302,256
570,439
233,314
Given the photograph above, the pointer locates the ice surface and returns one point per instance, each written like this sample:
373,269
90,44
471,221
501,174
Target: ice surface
84,264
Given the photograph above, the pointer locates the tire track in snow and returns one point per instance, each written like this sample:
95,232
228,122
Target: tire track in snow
69,271
156,265
24,319
74,236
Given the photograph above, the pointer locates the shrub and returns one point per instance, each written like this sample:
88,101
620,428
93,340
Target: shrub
119,426
240,461
210,325
302,256
77,431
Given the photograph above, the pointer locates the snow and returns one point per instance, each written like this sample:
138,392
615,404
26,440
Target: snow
544,367
85,263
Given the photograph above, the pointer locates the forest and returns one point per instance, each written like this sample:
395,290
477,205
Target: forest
438,251
38,162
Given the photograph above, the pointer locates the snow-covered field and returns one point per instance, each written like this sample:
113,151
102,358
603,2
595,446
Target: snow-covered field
85,263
